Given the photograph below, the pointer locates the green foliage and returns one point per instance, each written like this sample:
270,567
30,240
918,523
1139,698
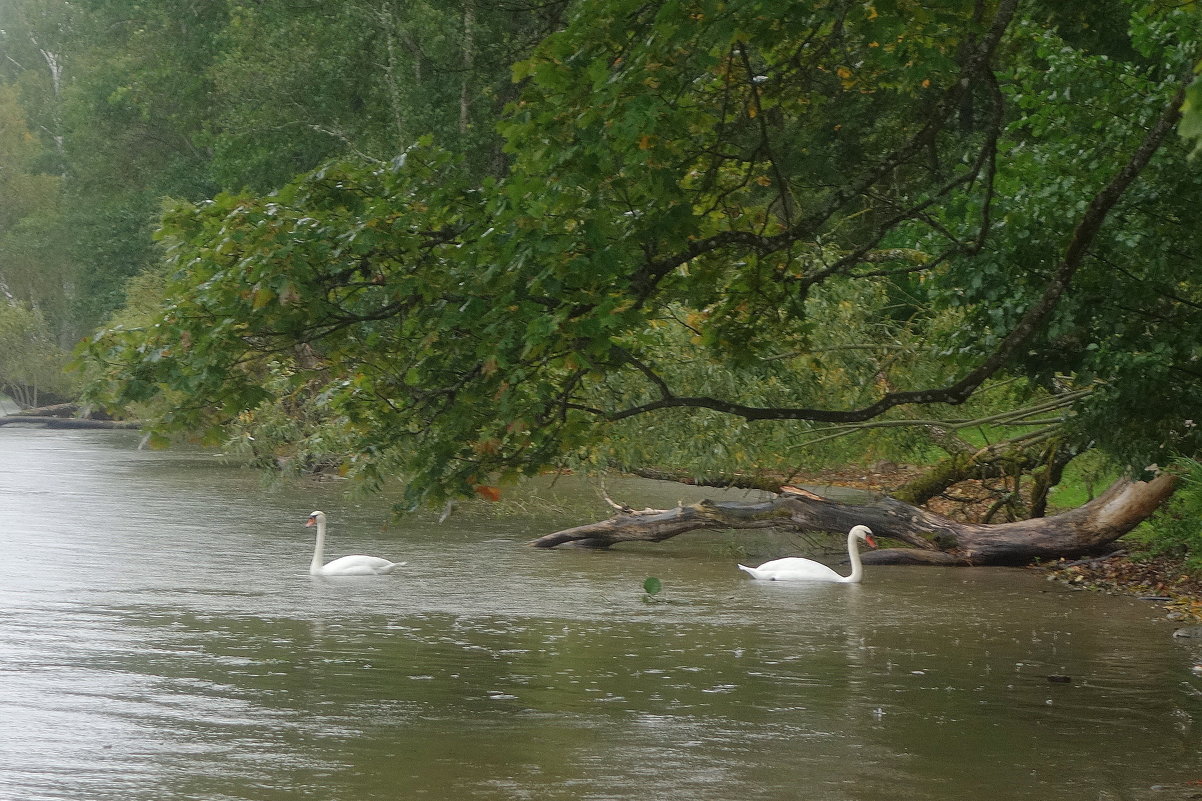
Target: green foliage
126,102
1176,529
1113,330
723,227
30,362
132,125
303,83
33,268
1191,115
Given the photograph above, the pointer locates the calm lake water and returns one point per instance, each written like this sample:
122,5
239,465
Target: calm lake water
160,639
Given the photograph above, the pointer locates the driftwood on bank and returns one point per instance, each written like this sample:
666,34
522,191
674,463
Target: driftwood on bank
66,415
934,539
68,422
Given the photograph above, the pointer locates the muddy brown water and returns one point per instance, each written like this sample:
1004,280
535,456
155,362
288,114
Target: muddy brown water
160,639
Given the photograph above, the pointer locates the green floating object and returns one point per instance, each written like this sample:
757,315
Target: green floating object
653,586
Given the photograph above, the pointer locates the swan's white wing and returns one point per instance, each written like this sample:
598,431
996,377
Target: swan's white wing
359,565
793,568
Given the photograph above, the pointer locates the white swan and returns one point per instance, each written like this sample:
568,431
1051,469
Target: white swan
796,569
356,565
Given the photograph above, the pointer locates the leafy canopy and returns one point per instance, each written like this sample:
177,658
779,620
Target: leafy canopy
704,202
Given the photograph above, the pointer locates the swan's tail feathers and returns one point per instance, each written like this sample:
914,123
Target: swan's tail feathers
751,571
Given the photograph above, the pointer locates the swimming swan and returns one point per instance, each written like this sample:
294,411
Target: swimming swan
796,569
356,565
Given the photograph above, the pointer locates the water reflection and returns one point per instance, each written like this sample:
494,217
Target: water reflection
160,638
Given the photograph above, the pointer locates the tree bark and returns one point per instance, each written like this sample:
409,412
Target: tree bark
934,539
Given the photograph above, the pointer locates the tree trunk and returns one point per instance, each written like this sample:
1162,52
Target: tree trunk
1086,530
469,57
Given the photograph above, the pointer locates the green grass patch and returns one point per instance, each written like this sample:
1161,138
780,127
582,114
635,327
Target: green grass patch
1176,528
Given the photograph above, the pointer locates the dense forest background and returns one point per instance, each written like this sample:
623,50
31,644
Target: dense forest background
107,109
459,243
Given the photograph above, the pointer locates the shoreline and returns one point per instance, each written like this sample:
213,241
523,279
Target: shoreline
1154,578
1128,570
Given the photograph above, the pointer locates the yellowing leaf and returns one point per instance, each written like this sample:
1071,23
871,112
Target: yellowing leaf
261,298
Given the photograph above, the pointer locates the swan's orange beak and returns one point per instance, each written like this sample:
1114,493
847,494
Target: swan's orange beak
309,522
871,542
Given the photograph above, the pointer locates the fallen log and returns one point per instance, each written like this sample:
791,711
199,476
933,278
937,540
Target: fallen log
1087,530
65,410
50,421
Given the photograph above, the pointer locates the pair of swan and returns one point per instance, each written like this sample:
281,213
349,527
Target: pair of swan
796,569
789,569
357,565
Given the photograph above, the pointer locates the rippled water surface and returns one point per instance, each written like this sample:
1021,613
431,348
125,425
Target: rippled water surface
160,639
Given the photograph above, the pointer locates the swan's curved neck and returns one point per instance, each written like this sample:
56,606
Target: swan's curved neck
853,552
319,548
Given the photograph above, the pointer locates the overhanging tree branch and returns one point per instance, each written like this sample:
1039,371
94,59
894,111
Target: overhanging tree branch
645,281
1083,236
